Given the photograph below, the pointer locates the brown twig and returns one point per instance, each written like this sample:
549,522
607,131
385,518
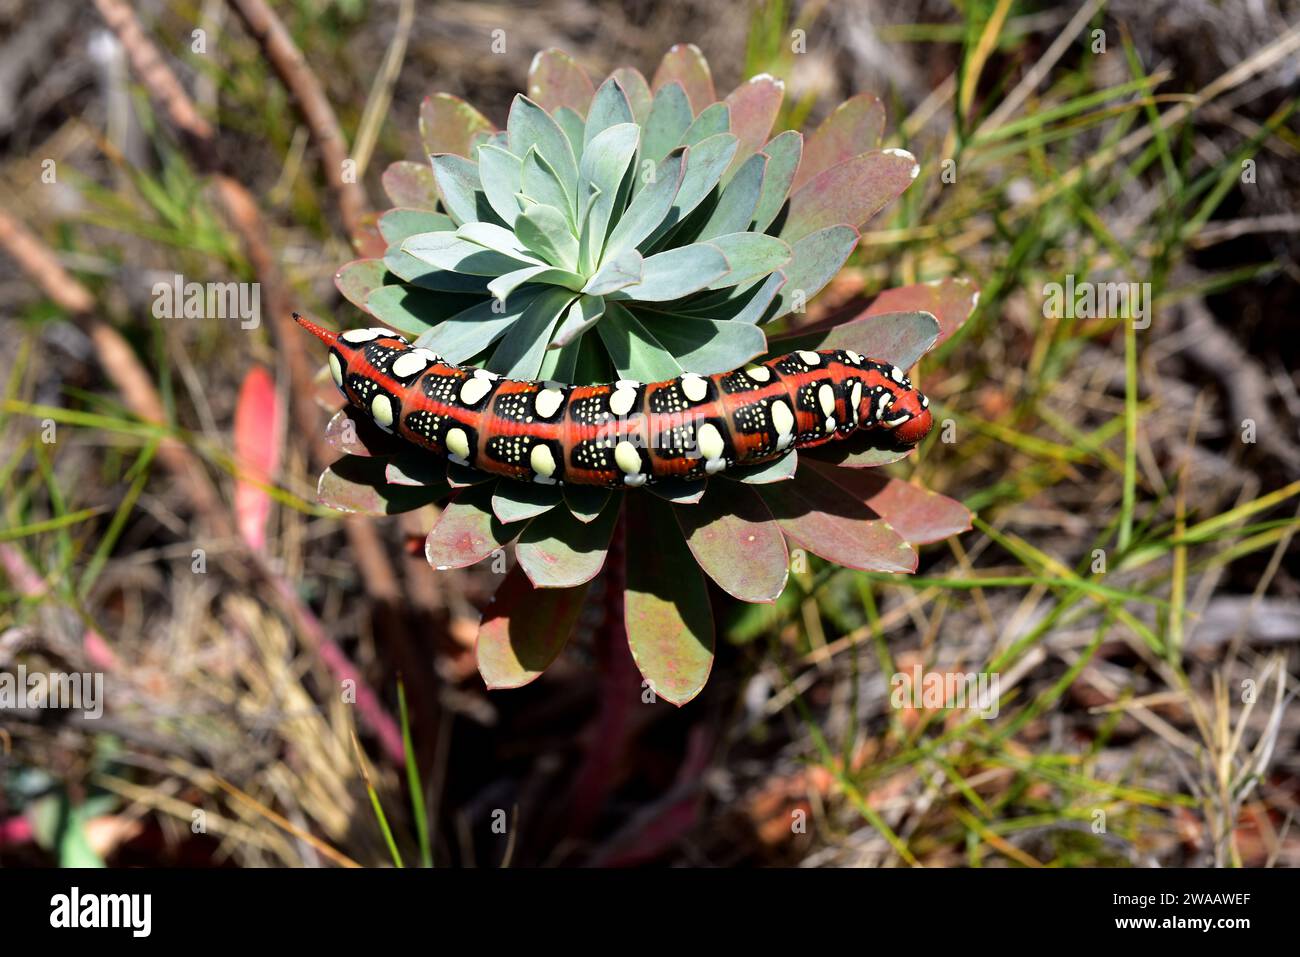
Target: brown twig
297,76
152,71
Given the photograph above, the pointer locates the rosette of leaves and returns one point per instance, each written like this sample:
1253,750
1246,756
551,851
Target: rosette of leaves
638,230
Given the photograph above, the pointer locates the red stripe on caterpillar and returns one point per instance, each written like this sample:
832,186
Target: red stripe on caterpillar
622,433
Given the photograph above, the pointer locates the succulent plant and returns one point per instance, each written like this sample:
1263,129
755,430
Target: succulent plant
638,231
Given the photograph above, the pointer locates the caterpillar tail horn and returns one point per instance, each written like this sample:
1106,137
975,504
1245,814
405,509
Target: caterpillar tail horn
324,335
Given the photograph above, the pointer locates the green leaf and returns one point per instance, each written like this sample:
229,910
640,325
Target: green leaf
670,116
524,629
949,300
542,185
675,273
745,303
783,154
899,338
358,279
602,175
585,312
735,209
545,231
518,501
468,333
649,207
705,164
715,119
418,273
666,609
500,173
450,125
458,183
560,363
778,470
519,355
608,108
706,346
637,91
734,538
814,261
451,252
636,353
497,238
752,256
555,551
397,225
416,467
504,286
586,502
466,532
352,432
679,491
530,126
415,311
574,126
617,273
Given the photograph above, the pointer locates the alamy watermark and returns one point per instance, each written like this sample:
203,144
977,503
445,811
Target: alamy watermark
61,690
932,690
179,299
1098,300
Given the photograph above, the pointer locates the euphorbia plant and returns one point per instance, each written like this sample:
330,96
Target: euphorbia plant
637,231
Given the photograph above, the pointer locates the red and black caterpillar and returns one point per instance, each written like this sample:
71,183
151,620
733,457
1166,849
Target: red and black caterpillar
625,433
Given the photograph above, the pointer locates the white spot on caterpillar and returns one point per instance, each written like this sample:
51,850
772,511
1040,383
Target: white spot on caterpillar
458,446
830,424
693,387
783,422
381,410
409,364
622,399
896,373
758,373
809,358
336,370
547,401
925,402
882,403
826,398
710,442
628,459
855,400
897,421
474,389
854,357
543,463
358,336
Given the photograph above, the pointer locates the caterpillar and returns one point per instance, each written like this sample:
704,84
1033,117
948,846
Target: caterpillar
624,433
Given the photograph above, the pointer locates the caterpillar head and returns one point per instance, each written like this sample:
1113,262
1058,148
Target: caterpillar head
900,408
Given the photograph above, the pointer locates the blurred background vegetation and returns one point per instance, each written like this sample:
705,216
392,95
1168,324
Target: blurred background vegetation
1131,578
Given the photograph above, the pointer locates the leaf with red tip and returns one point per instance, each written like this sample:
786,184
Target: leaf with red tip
828,521
558,551
685,64
637,90
352,432
524,630
854,127
555,79
861,450
899,338
950,300
666,607
732,535
358,279
850,192
259,418
918,514
366,239
466,532
754,107
359,484
450,125
410,185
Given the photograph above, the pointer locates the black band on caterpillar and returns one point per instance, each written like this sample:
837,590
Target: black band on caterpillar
623,433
